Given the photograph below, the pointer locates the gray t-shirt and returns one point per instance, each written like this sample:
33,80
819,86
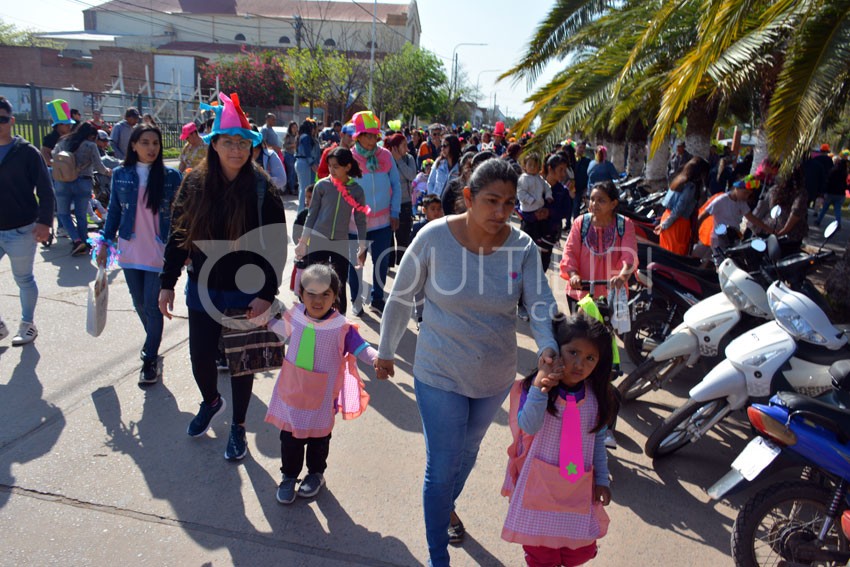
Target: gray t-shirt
270,137
467,343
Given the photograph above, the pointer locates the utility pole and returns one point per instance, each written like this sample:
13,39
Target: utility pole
372,54
298,25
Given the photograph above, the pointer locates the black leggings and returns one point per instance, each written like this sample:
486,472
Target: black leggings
204,334
292,454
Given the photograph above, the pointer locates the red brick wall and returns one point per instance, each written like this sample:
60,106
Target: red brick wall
45,68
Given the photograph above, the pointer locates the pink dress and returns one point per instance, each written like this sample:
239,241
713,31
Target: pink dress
600,257
319,376
546,510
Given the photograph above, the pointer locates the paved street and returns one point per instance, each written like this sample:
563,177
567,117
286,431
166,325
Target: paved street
95,470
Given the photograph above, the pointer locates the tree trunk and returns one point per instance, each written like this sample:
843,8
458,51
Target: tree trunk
637,158
656,167
702,113
617,154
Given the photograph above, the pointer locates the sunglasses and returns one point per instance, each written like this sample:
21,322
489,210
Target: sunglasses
5,119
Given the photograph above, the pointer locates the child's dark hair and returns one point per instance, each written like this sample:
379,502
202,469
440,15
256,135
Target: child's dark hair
309,189
322,274
343,157
429,199
580,326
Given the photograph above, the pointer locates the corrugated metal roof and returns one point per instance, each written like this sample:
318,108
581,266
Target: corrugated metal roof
339,11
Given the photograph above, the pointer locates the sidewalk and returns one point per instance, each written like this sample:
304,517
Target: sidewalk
95,470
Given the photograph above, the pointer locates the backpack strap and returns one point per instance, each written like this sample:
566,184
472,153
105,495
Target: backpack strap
585,225
621,225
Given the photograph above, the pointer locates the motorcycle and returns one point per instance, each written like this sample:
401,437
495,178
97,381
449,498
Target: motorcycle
741,306
803,522
793,352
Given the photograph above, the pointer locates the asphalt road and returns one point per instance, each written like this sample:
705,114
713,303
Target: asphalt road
95,470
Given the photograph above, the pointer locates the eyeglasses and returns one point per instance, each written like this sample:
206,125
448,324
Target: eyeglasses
5,119
241,145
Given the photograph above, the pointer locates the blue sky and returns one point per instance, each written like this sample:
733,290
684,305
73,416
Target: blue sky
505,25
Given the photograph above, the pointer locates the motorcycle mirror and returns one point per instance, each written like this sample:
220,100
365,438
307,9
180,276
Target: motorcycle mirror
758,245
830,229
720,230
775,212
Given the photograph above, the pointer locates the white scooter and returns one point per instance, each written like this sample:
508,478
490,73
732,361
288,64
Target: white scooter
793,352
741,306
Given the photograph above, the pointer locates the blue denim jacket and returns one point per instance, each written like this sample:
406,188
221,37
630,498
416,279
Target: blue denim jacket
121,214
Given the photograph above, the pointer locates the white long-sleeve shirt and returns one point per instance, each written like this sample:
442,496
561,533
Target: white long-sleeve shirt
532,192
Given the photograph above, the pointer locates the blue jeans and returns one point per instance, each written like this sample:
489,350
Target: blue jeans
289,166
144,289
79,193
836,201
19,244
380,247
305,178
454,426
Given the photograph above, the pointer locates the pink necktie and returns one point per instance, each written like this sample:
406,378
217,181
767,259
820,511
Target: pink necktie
571,454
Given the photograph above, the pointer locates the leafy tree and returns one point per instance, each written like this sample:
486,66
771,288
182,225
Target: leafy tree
11,35
321,75
407,83
259,78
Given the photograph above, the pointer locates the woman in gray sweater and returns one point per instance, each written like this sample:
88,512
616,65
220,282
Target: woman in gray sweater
473,269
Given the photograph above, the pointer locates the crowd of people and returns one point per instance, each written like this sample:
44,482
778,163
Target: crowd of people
437,204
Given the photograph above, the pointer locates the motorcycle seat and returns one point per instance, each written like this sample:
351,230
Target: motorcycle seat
821,356
832,417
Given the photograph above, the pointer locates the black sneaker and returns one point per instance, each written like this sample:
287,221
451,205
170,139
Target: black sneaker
201,423
79,248
286,490
311,485
221,362
378,307
149,373
237,445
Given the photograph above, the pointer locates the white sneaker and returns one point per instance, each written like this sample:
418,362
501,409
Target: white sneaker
26,334
610,440
4,330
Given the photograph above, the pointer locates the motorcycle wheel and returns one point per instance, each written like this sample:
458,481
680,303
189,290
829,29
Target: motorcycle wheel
649,329
680,427
649,375
778,519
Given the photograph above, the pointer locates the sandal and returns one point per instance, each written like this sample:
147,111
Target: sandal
456,532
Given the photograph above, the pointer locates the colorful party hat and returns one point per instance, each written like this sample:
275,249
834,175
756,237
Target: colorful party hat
365,122
60,112
394,125
230,120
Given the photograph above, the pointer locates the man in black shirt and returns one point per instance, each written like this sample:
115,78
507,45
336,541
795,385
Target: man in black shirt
24,220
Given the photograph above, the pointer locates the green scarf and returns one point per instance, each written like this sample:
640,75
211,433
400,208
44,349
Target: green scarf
369,155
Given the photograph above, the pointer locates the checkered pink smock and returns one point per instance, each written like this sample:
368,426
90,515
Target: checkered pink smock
553,529
343,390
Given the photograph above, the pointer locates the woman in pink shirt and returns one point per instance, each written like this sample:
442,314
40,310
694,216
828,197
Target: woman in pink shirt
140,216
601,246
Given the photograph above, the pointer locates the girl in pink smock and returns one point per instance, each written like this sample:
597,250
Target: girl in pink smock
601,246
557,475
318,379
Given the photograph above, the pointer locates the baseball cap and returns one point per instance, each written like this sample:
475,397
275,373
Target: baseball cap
102,135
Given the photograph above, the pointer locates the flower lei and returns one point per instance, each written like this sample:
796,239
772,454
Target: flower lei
749,183
365,209
97,242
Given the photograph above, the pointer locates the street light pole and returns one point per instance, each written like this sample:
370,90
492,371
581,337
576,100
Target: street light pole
453,82
297,26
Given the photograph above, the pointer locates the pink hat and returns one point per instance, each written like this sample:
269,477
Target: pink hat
365,122
188,128
499,129
230,120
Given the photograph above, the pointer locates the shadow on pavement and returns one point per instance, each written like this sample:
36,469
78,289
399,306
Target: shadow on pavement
22,396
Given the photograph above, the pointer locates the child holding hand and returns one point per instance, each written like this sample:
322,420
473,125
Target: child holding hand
318,379
557,475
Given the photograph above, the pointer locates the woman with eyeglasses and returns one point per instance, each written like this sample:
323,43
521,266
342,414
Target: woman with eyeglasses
228,226
446,167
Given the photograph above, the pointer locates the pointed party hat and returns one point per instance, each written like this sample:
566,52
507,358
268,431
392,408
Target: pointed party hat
60,112
230,120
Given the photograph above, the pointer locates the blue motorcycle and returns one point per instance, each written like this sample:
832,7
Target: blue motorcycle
804,522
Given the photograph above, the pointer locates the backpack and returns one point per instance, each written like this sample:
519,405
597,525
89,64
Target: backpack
65,166
585,225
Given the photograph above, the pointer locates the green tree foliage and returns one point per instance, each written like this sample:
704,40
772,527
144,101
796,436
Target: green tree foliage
320,75
259,78
409,83
11,35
